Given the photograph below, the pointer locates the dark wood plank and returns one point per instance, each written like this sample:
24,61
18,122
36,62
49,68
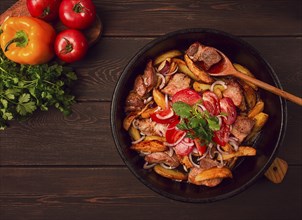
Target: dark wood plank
84,138
104,193
51,138
143,18
158,17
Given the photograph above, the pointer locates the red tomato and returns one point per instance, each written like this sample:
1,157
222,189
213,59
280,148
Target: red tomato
173,134
77,14
47,10
211,102
182,149
188,96
70,45
163,113
201,148
227,106
221,137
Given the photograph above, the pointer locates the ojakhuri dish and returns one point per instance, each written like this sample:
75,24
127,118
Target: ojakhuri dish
188,135
190,126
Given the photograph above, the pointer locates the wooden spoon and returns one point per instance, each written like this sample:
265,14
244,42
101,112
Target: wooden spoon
226,68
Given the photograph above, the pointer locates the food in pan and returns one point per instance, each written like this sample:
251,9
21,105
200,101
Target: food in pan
190,126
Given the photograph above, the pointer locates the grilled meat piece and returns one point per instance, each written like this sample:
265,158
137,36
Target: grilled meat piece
242,127
205,56
134,102
149,77
162,157
178,82
143,84
139,86
234,92
150,128
205,163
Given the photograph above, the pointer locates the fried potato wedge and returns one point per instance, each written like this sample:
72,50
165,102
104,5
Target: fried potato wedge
256,110
182,67
159,98
129,119
185,161
242,151
214,173
200,87
155,138
261,119
200,74
218,92
166,55
134,133
149,146
245,71
148,112
171,174
249,95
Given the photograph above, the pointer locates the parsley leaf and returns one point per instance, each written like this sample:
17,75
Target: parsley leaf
182,109
197,124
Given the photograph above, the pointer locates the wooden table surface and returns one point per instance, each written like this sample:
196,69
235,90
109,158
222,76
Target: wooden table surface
57,167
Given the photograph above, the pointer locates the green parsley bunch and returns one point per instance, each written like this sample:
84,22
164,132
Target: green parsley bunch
197,124
27,88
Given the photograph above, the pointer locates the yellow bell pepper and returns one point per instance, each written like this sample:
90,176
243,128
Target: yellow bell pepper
27,40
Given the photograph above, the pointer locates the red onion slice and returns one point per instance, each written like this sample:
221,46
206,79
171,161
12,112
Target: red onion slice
148,166
167,100
167,167
234,144
171,113
220,150
191,160
138,140
188,142
201,107
218,82
147,100
169,74
164,67
163,80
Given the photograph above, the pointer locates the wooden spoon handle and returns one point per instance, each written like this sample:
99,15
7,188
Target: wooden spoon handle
268,87
277,170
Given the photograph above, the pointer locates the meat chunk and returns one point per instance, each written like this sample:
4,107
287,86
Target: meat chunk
149,77
178,82
150,128
139,86
205,164
134,102
205,56
162,157
234,92
143,84
242,127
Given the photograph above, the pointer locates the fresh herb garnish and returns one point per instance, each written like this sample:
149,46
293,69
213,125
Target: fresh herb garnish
197,124
26,88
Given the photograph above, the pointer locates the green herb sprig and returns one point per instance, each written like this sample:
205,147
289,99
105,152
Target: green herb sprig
197,124
27,88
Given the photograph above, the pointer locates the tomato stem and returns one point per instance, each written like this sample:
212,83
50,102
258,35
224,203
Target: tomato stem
68,48
46,12
78,8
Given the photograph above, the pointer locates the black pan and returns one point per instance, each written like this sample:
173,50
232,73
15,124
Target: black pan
249,169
